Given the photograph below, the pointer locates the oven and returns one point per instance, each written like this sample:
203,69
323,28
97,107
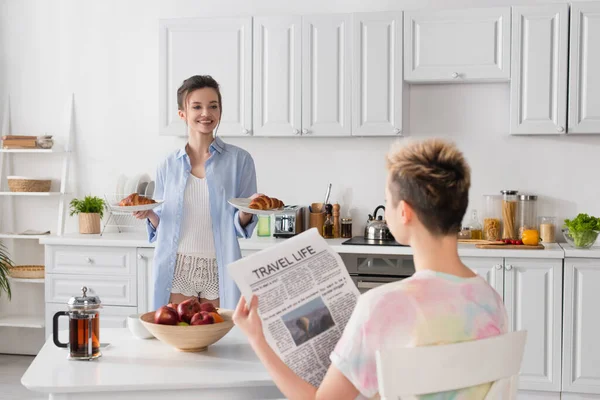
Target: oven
369,271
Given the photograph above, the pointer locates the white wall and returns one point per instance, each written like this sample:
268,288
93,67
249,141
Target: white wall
106,53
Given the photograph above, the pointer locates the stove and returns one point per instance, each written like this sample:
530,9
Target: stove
362,241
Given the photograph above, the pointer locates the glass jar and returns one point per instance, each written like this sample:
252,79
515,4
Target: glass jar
492,212
509,214
475,227
548,229
464,233
527,213
346,228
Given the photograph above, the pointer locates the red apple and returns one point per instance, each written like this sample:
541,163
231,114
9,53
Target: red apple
208,307
165,316
173,306
187,309
202,318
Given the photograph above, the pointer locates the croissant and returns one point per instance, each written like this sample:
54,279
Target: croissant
264,202
135,199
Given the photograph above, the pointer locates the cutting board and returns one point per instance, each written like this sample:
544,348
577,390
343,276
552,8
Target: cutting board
510,247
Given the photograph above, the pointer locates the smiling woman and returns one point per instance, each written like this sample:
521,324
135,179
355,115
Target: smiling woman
195,228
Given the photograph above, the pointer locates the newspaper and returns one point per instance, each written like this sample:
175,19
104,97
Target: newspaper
305,298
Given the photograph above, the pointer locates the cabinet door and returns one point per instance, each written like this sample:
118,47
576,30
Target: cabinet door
277,76
538,86
581,353
457,45
491,269
584,68
145,264
220,47
377,74
533,299
326,93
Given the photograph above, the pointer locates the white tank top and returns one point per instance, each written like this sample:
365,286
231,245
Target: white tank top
196,237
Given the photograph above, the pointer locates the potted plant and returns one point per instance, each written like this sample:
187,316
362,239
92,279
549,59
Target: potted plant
90,210
5,264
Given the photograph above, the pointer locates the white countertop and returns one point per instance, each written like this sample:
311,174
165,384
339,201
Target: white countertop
572,252
129,364
137,239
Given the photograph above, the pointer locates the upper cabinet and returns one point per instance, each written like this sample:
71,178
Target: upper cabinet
457,45
277,76
302,75
538,92
220,47
377,87
584,69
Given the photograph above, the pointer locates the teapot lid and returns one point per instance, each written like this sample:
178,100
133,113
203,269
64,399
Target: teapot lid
84,302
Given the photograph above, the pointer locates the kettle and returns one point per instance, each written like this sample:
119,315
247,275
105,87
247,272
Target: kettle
376,227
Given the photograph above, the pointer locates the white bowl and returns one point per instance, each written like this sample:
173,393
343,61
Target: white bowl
136,327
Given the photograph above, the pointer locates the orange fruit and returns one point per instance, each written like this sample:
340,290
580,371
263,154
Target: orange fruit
217,317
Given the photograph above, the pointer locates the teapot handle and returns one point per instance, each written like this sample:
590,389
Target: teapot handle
377,209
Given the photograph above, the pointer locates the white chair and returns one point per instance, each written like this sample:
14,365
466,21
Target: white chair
404,373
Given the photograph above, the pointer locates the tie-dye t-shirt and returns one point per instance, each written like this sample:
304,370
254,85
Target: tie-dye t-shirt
426,309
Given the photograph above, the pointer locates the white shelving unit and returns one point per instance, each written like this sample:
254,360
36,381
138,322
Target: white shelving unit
29,293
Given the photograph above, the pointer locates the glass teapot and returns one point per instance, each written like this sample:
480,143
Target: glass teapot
84,327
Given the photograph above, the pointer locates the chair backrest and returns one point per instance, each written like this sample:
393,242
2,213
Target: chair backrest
406,372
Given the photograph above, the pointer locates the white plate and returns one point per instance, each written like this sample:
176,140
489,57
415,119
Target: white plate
145,207
150,189
242,204
121,181
142,182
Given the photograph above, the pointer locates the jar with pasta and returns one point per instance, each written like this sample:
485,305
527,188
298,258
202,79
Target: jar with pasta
509,214
492,211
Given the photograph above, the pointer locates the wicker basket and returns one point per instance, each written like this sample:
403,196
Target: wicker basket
27,272
24,184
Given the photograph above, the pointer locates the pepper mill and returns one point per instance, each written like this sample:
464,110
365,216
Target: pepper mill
336,220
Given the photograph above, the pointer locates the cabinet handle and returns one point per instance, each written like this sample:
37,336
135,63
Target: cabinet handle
304,131
88,260
560,129
498,266
509,267
245,131
296,131
397,131
140,257
455,75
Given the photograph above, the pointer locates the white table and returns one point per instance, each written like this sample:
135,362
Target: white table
132,368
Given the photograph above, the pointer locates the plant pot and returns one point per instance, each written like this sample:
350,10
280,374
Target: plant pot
89,223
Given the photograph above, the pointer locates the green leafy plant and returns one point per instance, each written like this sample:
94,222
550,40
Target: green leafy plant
5,264
89,204
583,229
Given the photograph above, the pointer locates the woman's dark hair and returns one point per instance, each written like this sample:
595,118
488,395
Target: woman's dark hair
193,83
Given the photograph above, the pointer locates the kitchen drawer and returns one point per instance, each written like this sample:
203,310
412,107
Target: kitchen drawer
373,264
112,290
365,283
110,317
89,260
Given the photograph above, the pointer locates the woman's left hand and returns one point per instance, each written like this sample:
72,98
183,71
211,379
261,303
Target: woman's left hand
248,320
244,216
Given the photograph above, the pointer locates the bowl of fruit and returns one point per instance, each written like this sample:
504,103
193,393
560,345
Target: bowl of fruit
190,325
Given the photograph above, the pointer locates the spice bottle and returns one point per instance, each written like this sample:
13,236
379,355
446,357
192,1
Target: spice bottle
346,227
336,220
475,226
328,224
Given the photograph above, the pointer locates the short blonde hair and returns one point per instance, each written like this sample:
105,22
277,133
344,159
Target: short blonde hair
433,177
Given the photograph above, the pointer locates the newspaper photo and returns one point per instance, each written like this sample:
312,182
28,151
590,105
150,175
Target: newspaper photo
305,298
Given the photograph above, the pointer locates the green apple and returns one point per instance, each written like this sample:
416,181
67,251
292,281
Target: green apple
183,323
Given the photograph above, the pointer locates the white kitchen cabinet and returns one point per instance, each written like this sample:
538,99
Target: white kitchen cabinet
584,68
533,300
277,76
302,75
326,75
220,47
581,324
491,269
538,87
377,71
145,265
457,45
